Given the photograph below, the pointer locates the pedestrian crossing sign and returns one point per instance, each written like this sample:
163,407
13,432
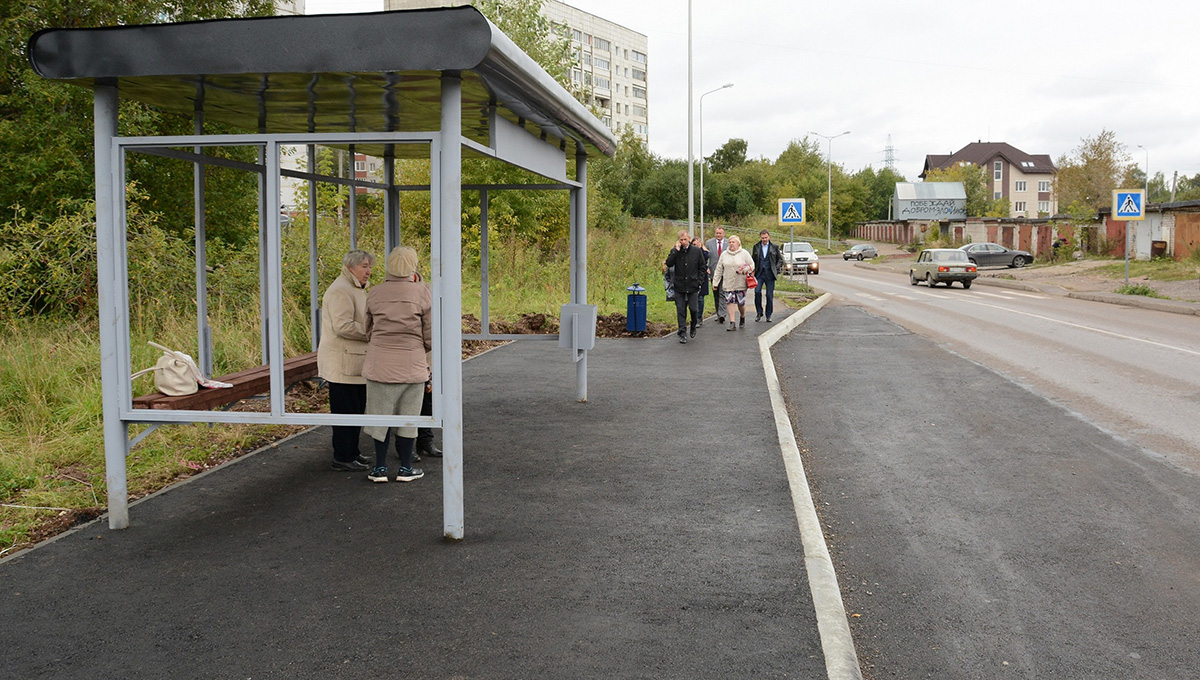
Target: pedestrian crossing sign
1129,204
791,211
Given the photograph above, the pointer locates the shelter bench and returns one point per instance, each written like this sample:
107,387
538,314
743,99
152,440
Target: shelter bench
247,383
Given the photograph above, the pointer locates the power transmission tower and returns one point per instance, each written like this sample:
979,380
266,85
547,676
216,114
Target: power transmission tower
889,155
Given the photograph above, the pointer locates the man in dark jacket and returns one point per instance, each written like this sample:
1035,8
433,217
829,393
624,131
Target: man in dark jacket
690,271
768,262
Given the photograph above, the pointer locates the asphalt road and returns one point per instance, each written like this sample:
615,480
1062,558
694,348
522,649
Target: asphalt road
1135,372
981,530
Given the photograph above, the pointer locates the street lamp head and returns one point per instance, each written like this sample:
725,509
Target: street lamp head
726,85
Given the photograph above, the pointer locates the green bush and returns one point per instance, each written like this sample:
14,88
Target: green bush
1138,289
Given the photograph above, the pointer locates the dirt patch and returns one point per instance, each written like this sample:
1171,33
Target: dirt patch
1085,276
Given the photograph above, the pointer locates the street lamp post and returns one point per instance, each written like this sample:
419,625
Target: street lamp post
691,172
725,86
1147,199
829,187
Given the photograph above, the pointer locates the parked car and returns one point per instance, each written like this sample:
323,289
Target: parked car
942,265
860,252
996,255
799,255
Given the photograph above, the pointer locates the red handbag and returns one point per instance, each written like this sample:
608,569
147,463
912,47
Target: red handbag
751,282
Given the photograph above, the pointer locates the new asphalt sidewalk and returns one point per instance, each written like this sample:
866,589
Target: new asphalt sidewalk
647,533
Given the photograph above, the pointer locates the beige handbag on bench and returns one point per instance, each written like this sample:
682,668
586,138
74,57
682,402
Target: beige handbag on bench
176,373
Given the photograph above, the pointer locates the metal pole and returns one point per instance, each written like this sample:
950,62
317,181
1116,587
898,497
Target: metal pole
312,249
485,282
702,155
829,197
829,187
581,248
314,294
449,300
263,283
691,135
203,332
273,294
116,432
391,204
1147,199
353,202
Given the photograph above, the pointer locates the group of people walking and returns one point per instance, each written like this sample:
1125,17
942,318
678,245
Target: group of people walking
722,266
374,353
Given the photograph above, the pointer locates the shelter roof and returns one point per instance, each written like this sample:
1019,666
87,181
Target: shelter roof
376,72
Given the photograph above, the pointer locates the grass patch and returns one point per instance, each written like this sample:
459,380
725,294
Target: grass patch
51,441
1139,289
1160,269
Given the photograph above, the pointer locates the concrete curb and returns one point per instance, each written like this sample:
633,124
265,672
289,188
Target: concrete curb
1174,306
841,660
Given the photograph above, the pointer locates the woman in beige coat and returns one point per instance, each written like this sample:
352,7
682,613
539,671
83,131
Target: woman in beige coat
399,339
341,351
730,277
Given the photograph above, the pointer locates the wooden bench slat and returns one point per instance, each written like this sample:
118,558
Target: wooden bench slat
245,383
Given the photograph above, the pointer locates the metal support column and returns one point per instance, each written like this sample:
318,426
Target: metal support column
314,293
485,320
116,431
263,315
312,248
391,202
579,249
353,202
273,292
449,300
203,330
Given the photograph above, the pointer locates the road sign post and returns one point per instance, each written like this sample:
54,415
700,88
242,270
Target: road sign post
791,213
1128,205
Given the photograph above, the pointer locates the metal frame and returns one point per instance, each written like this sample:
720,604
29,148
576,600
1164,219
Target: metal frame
445,154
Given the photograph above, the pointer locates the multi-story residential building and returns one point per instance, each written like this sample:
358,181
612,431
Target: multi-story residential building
611,65
1026,180
283,7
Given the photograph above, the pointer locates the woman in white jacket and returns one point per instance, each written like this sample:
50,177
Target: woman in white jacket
730,277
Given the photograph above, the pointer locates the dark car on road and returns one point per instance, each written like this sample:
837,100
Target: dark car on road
860,252
996,255
942,265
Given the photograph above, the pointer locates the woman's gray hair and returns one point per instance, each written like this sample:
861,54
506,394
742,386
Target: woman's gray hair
356,257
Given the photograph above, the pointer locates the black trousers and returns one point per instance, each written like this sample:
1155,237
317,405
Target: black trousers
683,303
425,434
350,399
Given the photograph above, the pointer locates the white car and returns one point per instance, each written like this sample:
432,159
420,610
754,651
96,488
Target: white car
798,256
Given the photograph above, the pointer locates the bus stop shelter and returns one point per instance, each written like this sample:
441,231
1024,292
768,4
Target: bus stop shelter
438,84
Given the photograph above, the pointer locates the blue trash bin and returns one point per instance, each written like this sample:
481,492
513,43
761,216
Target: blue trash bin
635,309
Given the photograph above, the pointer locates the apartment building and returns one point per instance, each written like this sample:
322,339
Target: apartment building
611,65
1026,180
289,7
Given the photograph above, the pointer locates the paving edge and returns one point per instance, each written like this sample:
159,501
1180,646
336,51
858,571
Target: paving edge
841,660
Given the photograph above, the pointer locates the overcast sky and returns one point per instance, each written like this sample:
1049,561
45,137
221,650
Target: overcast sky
934,74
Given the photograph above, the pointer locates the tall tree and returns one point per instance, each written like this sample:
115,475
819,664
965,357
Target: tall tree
1087,176
730,155
45,126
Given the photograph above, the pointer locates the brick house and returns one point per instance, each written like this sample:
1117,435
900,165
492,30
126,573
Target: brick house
1026,180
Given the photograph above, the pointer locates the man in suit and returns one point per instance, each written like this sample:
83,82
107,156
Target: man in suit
768,262
716,247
